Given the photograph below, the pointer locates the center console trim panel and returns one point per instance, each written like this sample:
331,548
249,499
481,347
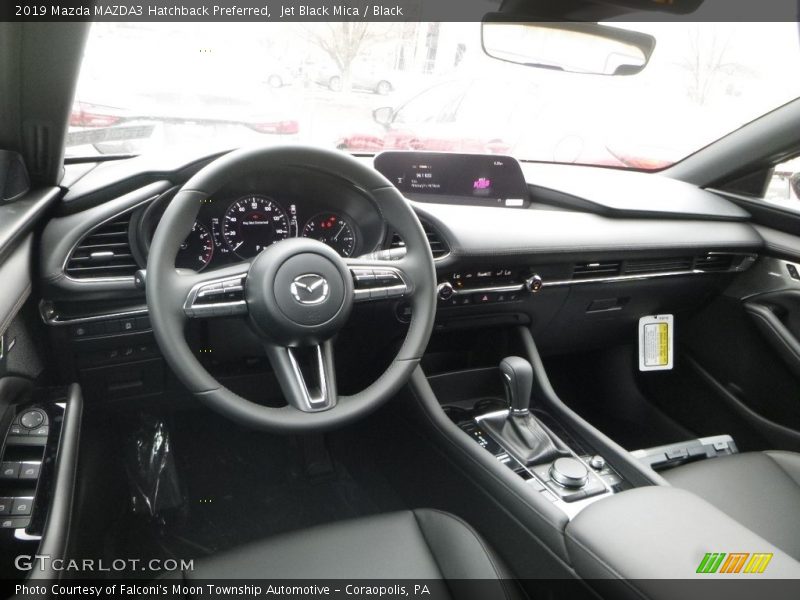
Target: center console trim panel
571,509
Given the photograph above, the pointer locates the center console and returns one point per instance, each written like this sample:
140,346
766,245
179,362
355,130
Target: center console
555,466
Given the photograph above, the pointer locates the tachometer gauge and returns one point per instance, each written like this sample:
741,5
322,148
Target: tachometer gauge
333,230
197,249
253,223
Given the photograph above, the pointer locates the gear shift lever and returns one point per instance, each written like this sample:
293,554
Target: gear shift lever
518,379
519,431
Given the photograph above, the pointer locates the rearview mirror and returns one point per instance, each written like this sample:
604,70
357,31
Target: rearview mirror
571,47
383,115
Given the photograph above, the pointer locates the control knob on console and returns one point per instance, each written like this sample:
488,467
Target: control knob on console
569,472
533,284
597,462
445,290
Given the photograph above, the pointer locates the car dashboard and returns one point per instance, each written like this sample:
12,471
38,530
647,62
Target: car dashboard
563,250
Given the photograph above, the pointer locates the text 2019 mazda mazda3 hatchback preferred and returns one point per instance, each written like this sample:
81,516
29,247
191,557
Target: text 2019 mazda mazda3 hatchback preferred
524,323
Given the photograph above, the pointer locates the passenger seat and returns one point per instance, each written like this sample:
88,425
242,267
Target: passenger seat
761,490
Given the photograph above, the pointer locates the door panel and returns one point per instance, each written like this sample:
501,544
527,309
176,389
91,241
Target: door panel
748,341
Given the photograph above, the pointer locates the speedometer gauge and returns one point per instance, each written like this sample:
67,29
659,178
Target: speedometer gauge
196,250
333,230
253,223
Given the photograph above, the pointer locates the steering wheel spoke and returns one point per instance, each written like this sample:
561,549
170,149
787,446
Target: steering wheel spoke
218,293
309,389
379,279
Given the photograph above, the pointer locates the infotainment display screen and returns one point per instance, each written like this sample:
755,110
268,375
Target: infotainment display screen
489,179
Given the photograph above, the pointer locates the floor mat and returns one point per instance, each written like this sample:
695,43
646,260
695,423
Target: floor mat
240,485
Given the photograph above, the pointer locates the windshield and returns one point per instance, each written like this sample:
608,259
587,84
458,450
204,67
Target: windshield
366,87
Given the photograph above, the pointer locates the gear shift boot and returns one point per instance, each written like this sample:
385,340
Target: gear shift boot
519,432
524,437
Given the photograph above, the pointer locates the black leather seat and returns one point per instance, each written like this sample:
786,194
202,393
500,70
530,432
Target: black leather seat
419,545
761,490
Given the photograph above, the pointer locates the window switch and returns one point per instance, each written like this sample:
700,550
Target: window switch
42,431
9,470
5,506
14,522
22,506
29,470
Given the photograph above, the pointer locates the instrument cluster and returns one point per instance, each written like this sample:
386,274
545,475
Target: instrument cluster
240,221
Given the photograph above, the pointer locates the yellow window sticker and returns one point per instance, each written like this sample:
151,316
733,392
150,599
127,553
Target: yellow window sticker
656,343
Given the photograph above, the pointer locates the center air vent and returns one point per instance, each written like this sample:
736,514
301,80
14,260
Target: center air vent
104,252
438,246
596,270
658,265
714,262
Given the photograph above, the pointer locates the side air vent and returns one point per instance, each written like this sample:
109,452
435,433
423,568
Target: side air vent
435,241
658,265
714,262
438,247
104,252
596,270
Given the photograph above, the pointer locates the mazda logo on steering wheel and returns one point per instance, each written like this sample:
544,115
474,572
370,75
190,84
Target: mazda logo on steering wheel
309,289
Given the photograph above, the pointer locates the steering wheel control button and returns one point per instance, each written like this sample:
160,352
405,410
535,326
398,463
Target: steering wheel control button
386,278
363,277
223,298
377,284
569,472
378,293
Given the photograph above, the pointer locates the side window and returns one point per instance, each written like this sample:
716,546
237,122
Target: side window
784,187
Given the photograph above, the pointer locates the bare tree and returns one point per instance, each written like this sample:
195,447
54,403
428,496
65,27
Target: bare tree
342,42
706,63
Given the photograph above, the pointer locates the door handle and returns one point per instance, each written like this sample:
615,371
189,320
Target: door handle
776,333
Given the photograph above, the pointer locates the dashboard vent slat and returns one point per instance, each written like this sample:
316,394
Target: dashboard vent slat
439,247
103,252
658,265
435,241
596,270
714,262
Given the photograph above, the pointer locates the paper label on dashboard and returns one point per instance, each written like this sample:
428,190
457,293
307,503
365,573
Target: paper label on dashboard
656,350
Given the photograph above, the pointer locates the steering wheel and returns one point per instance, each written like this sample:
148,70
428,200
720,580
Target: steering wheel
295,295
